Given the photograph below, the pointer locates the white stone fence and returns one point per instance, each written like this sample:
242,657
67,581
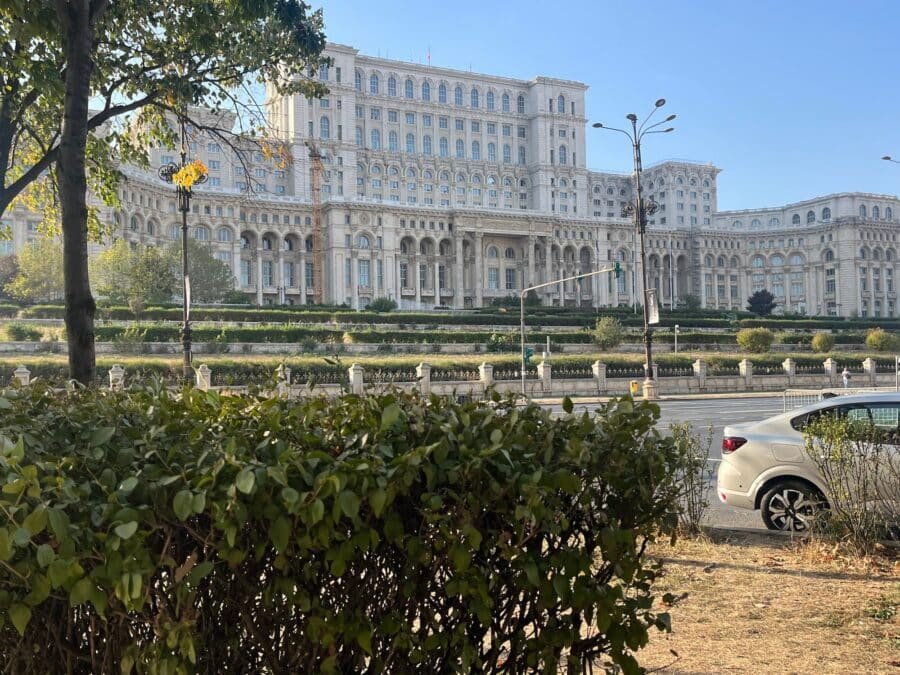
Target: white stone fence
597,382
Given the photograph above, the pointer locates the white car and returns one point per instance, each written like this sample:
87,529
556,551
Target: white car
765,465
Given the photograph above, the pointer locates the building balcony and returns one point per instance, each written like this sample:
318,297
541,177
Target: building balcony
405,292
427,291
446,292
364,290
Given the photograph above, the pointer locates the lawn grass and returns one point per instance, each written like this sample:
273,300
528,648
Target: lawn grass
758,604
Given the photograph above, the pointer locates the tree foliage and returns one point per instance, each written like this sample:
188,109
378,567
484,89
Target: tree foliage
9,268
609,332
392,533
761,303
40,272
881,340
755,340
689,303
822,342
211,279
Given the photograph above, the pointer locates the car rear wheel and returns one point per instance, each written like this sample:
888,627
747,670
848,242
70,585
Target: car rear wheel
790,505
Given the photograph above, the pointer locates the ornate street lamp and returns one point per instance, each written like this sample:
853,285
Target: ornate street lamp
184,176
640,210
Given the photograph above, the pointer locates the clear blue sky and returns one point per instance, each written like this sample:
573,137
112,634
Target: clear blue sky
792,99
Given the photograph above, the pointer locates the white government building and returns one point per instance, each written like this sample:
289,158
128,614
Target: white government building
444,188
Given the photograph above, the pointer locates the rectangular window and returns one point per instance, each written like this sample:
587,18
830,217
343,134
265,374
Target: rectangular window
423,276
410,118
374,113
309,274
404,275
521,132
476,126
492,128
215,181
288,272
511,279
392,115
364,273
246,269
460,125
268,273
493,278
443,123
360,113
379,273
426,120
348,272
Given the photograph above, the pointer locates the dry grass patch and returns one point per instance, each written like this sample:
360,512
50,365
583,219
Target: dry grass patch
757,604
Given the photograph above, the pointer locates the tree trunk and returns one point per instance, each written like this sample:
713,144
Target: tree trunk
80,307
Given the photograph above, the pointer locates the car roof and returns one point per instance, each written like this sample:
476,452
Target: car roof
849,399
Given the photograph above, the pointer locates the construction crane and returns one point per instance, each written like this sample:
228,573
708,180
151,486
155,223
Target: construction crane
315,174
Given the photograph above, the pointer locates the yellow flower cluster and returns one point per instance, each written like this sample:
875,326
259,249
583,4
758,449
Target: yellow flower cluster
189,174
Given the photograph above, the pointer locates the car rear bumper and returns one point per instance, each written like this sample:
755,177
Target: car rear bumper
739,500
727,480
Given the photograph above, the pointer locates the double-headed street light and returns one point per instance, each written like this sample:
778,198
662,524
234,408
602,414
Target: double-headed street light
888,158
184,176
640,210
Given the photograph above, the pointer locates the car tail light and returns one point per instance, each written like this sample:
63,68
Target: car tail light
732,443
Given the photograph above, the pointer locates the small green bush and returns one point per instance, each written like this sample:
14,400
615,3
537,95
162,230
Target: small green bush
822,342
164,531
755,340
608,333
882,341
382,305
20,332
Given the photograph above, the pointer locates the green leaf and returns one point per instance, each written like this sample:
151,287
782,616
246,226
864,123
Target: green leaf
567,405
183,503
101,435
40,590
389,415
128,484
316,511
349,502
280,532
81,592
377,500
290,496
126,530
199,572
45,555
20,615
245,480
198,503
36,521
531,572
5,545
59,523
364,638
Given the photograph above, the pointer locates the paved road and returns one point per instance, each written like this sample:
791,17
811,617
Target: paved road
718,412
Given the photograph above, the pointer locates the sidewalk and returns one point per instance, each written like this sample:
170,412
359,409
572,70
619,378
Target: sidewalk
557,400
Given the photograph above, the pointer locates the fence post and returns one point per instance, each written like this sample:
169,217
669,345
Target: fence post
700,372
423,373
23,375
870,369
116,377
745,368
486,374
599,370
831,371
283,374
790,369
544,375
204,378
356,378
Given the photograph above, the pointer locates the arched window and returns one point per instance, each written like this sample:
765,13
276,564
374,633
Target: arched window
410,143
362,241
522,155
134,224
876,214
774,222
563,155
324,128
862,254
708,261
826,213
755,224
829,255
151,228
476,179
457,96
426,91
201,234
474,97
796,259
492,152
375,169
720,262
393,142
426,145
795,219
375,140
862,210
442,93
460,149
888,213
223,234
476,150
267,243
408,88
287,244
245,242
504,103
392,86
489,100
357,80
410,172
507,154
373,83
492,252
520,105
810,217
776,261
509,253
561,104
444,148
889,255
758,262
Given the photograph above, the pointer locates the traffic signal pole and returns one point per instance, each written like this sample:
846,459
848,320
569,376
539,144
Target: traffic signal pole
603,270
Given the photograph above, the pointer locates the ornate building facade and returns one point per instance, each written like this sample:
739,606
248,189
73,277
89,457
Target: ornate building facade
443,188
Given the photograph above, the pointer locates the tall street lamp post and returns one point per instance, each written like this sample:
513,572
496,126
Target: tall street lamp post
640,210
184,176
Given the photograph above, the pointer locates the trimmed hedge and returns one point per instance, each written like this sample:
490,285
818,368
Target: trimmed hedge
156,532
8,311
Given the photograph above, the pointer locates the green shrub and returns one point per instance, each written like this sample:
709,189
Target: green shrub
20,332
755,340
882,341
822,342
191,532
218,344
503,342
8,310
382,305
608,333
